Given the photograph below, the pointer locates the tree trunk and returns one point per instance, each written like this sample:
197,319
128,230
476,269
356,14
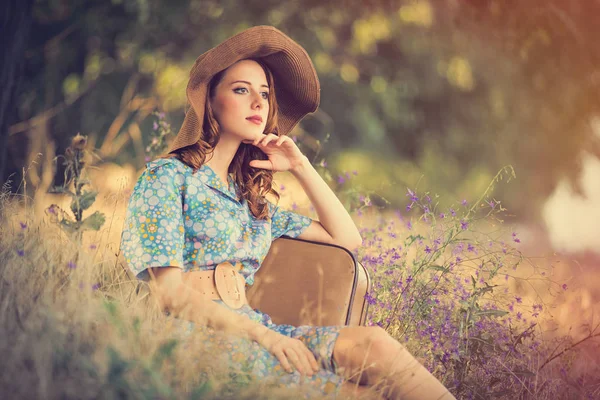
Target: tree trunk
16,18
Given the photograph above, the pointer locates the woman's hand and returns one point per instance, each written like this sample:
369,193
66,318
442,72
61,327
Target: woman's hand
287,350
283,153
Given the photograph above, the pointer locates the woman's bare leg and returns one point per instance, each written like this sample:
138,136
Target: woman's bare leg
369,355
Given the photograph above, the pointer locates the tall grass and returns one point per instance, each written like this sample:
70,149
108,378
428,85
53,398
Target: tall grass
74,323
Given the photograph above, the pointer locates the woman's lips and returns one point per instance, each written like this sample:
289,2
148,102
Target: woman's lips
254,121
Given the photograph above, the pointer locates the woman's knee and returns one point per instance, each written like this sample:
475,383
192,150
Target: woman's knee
379,341
360,345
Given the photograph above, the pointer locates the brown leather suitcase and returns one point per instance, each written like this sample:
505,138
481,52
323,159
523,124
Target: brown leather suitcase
302,282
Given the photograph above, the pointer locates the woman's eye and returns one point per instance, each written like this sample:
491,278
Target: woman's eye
265,95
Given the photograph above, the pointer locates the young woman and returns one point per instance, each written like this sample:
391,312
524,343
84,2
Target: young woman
198,224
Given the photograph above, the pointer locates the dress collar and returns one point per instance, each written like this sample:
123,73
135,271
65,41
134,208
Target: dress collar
211,179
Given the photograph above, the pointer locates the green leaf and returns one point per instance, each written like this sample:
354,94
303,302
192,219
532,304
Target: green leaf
201,391
411,239
450,233
164,351
523,372
111,308
118,366
60,189
93,222
491,313
439,268
68,225
483,290
87,199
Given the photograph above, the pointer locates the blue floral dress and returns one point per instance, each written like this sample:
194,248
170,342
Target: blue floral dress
193,221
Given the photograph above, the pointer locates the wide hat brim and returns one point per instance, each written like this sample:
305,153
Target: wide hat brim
296,83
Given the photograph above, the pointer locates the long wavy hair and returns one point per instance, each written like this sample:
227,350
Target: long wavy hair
253,183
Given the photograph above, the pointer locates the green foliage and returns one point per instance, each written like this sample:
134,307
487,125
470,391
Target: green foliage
471,85
76,158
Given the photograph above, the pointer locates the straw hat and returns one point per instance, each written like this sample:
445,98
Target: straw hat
296,82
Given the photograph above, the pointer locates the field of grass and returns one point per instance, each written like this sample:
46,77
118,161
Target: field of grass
455,286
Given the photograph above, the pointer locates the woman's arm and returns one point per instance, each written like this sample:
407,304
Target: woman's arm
183,302
335,224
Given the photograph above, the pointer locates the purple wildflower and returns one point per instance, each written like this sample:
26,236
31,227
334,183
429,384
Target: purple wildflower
355,172
442,216
515,238
93,246
95,286
464,225
20,253
161,115
340,179
453,212
464,202
518,299
564,286
412,195
23,225
155,126
72,265
427,250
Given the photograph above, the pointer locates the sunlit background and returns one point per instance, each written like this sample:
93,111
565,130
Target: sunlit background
433,95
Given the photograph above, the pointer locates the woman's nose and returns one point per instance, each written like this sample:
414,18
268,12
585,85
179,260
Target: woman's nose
258,102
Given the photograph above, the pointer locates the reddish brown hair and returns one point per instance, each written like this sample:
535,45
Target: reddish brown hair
254,183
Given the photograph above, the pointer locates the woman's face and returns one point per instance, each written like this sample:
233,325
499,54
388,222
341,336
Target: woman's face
241,101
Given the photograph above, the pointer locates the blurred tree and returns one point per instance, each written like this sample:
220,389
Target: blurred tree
479,83
14,29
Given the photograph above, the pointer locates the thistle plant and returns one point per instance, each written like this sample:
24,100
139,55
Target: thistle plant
76,160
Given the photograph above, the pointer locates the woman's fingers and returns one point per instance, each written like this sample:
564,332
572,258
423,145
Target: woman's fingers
311,362
265,139
300,361
280,140
311,359
283,360
292,352
263,164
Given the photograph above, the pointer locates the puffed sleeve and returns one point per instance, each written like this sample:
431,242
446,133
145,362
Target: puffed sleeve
288,223
153,231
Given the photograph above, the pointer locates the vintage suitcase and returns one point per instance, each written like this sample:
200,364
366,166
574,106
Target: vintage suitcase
308,283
